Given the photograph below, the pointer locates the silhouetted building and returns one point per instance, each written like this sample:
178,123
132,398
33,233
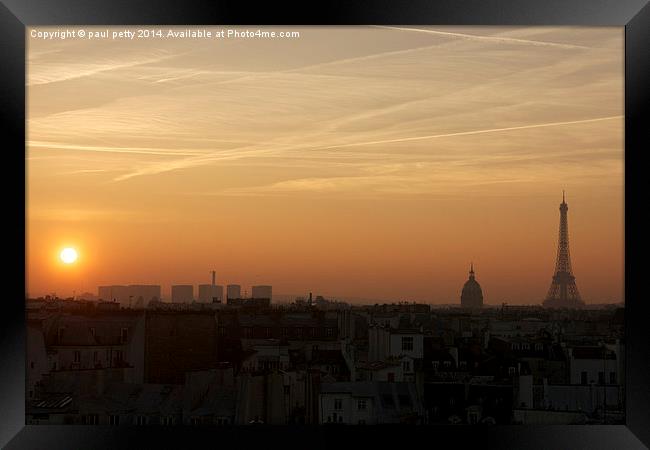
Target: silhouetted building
371,403
210,293
194,363
182,293
178,342
472,295
233,291
132,296
261,292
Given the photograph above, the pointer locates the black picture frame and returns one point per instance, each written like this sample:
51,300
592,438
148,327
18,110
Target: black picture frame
634,15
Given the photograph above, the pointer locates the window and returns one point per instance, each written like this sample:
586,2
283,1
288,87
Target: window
140,420
60,334
119,356
361,405
391,377
338,404
435,364
404,400
268,331
525,346
511,370
124,336
447,363
95,356
92,419
168,420
583,377
612,378
330,332
406,366
92,331
407,343
31,365
463,365
601,377
113,419
222,331
287,390
362,422
539,347
515,346
77,356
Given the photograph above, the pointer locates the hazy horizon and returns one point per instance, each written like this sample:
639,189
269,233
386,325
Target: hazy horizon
352,162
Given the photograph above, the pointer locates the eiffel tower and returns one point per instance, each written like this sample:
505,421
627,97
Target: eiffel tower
563,292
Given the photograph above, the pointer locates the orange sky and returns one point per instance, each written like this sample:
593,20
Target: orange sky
366,162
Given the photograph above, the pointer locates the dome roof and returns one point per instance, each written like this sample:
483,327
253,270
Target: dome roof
472,294
472,288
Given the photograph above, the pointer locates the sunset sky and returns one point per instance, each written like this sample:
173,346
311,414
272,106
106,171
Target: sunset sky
358,162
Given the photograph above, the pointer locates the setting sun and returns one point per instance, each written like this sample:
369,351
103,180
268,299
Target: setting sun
68,255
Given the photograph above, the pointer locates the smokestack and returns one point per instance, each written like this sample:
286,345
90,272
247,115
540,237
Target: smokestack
310,299
214,278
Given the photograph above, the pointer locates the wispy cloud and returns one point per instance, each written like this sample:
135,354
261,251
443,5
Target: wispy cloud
350,114
80,214
53,72
109,149
84,171
306,151
495,39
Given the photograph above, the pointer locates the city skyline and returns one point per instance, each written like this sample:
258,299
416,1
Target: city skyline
363,162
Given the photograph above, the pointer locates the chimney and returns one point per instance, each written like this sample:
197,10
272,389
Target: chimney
214,276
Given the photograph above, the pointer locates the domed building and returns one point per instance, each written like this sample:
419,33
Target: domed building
472,295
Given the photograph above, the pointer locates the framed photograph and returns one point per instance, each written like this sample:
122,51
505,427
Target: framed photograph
323,224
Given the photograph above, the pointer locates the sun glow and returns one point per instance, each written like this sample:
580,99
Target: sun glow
68,255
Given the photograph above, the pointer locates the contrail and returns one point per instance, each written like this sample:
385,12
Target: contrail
90,69
197,160
467,133
299,70
488,38
135,150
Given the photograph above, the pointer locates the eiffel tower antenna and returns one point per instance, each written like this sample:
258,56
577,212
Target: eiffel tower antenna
563,292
